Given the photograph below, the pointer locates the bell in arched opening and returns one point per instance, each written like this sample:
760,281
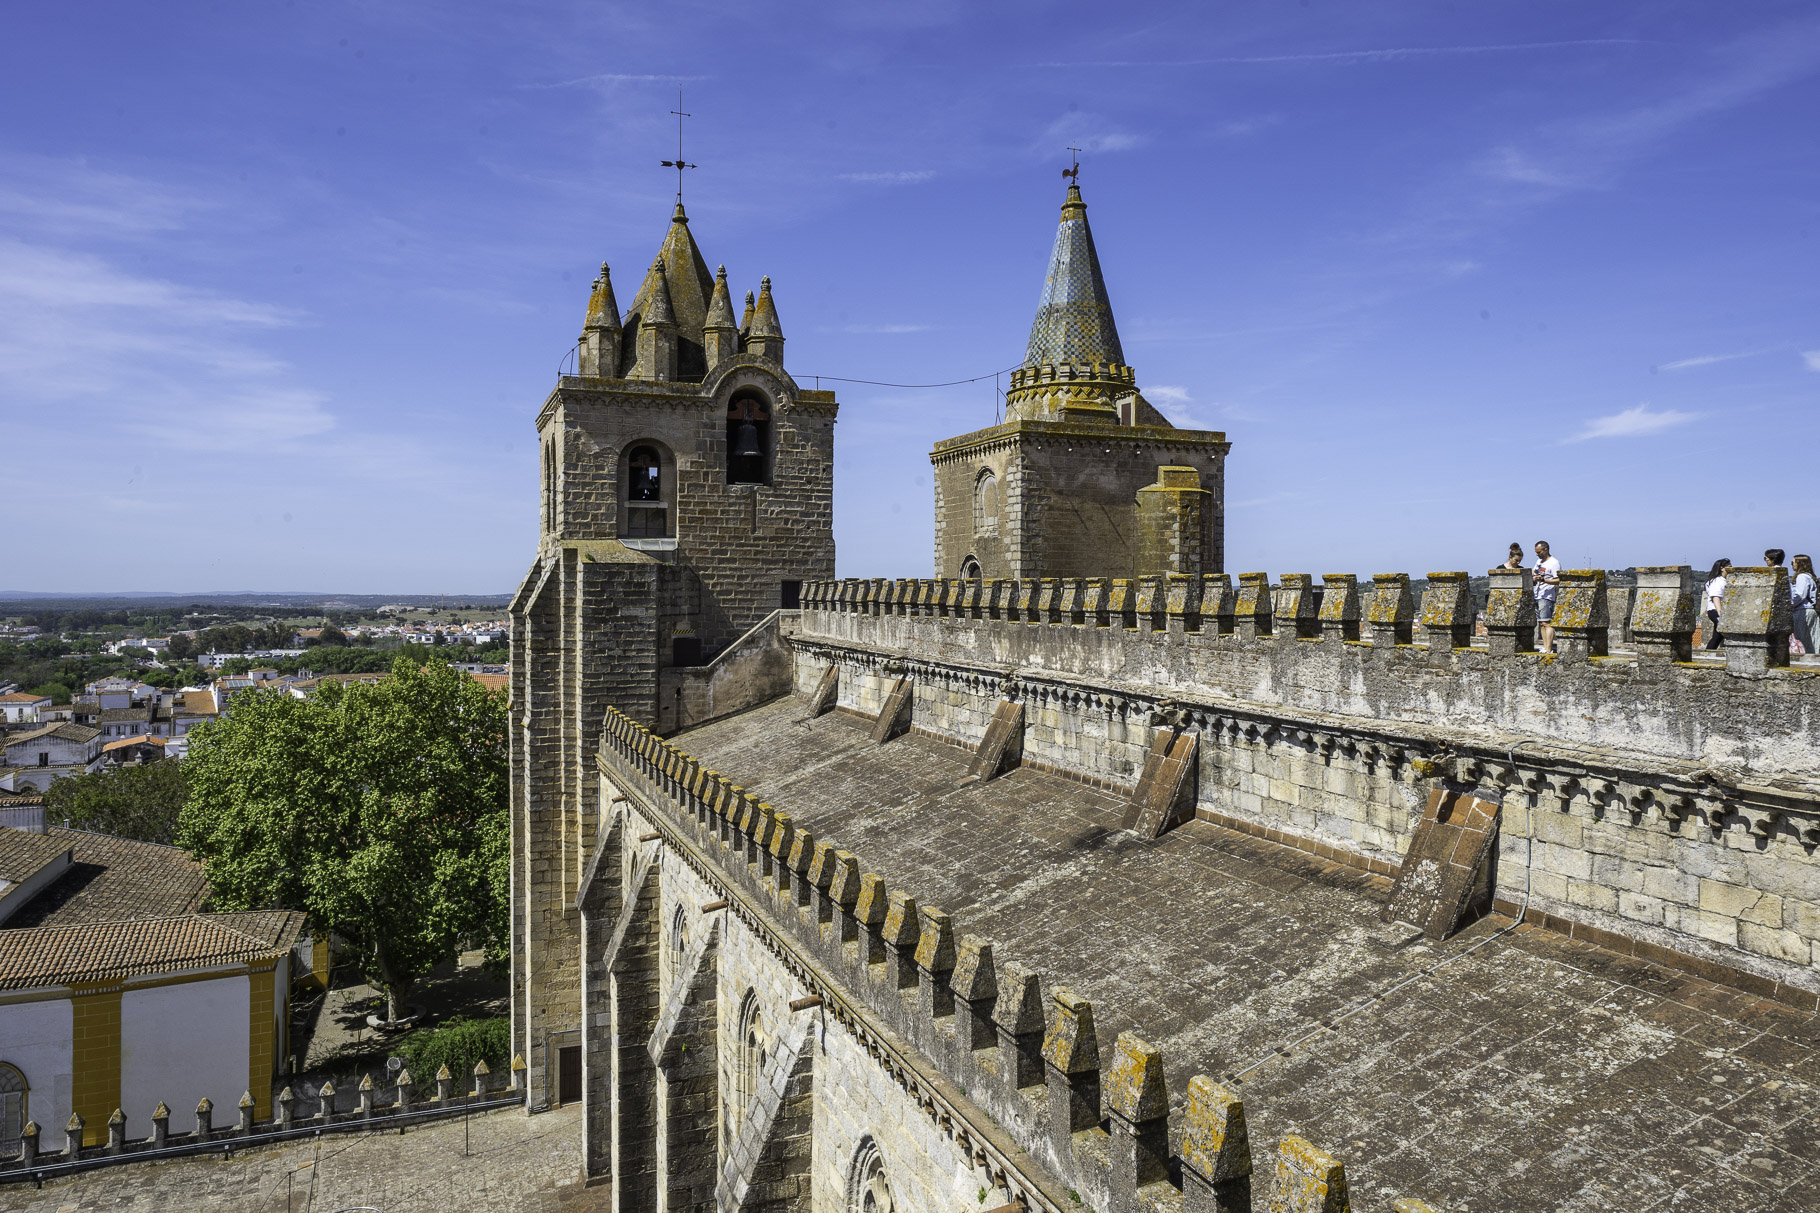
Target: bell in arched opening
748,440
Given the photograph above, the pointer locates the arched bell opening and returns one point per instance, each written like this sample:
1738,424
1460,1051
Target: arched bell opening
749,438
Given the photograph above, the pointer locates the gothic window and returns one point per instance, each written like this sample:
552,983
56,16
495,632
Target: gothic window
750,1047
649,497
13,1110
749,439
970,570
549,487
985,504
679,933
868,1188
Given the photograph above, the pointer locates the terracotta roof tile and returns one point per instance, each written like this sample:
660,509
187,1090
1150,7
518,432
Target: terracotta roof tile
62,955
23,853
113,879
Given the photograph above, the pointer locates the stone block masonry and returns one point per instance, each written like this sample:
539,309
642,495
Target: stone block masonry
1667,809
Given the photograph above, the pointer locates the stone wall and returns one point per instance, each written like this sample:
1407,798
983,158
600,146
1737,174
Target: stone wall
1068,496
1665,808
859,1097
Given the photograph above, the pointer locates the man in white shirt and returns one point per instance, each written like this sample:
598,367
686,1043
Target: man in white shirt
1546,577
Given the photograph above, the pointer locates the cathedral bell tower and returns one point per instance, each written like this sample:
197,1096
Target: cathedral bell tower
686,488
1084,477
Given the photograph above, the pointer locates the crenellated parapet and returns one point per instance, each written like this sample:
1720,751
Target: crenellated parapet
324,1110
1660,614
1011,1070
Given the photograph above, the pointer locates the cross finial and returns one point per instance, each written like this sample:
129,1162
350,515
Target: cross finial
1074,174
679,164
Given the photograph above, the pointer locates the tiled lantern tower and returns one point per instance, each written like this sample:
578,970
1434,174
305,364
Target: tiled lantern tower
1058,489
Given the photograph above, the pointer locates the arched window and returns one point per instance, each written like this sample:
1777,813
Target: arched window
13,1110
549,487
679,933
985,504
970,570
749,439
648,493
644,475
868,1188
748,1057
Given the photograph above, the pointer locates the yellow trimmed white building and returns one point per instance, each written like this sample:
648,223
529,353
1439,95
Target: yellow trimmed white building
115,992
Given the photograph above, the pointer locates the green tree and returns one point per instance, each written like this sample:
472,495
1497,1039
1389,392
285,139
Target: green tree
140,802
380,809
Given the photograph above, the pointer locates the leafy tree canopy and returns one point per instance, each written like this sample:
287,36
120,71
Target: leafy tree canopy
380,809
140,802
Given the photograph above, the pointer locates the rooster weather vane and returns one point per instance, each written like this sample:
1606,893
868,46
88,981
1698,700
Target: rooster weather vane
1073,174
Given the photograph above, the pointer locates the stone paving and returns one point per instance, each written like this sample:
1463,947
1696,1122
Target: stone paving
511,1162
1532,1072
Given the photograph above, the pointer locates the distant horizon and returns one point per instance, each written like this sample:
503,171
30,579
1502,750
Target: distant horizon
7,596
283,288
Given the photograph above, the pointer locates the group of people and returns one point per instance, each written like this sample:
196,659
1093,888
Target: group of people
1802,591
1544,579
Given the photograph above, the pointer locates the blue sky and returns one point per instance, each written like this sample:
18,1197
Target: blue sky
283,285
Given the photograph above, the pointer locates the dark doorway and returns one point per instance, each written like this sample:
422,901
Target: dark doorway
568,1074
685,650
792,595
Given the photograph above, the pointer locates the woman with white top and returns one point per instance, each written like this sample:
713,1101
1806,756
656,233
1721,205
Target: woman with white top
1801,595
1715,594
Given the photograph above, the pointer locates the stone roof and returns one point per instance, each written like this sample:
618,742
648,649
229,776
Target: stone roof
1074,318
64,955
1530,1069
112,879
23,697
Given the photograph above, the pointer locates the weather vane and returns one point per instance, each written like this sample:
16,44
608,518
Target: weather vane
679,164
1074,174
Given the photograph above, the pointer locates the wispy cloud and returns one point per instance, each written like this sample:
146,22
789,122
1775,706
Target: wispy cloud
904,178
1633,423
1812,358
1382,54
1688,364
604,78
1166,394
175,366
887,329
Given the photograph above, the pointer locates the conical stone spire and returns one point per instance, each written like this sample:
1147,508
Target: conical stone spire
600,330
720,334
1074,367
765,337
656,293
689,285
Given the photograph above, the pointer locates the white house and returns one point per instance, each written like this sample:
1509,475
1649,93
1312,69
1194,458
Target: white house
21,707
116,993
53,752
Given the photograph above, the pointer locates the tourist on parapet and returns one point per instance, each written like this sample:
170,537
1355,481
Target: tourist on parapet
1715,594
1515,559
1547,575
1801,600
1773,557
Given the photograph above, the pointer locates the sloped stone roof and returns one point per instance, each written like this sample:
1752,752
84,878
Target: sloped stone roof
1537,1072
